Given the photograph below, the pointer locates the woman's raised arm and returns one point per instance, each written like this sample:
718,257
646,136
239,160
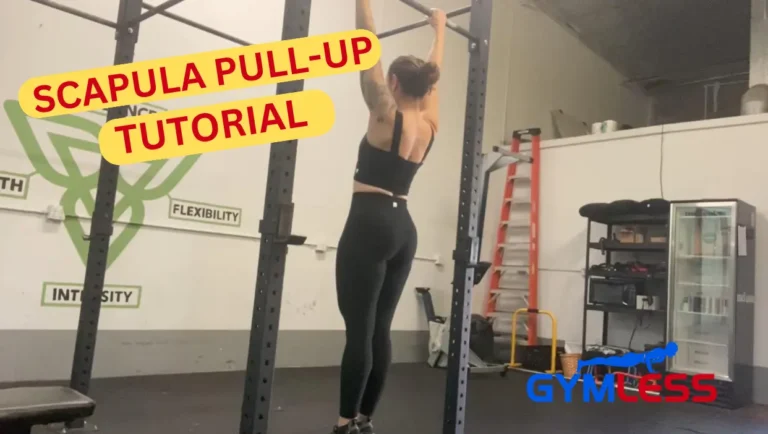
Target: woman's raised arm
431,103
376,94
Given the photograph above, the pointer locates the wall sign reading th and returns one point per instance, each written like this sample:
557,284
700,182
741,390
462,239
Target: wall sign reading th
14,185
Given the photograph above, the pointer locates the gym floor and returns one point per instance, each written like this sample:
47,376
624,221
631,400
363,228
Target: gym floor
304,402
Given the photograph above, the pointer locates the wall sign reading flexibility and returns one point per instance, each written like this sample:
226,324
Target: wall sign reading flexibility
204,212
159,136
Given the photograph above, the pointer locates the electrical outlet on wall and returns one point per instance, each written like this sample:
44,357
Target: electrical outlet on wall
321,247
55,213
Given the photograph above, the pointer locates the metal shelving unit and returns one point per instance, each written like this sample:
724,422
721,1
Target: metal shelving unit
610,247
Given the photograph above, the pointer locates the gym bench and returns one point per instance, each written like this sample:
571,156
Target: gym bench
21,408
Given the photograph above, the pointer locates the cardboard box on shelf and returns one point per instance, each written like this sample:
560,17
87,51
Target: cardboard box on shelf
625,235
630,235
657,235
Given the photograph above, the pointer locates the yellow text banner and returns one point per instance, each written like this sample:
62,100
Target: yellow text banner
201,73
217,127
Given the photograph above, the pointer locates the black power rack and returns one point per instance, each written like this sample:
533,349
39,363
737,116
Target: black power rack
275,227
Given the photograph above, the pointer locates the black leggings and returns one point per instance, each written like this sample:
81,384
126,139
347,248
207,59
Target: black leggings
375,254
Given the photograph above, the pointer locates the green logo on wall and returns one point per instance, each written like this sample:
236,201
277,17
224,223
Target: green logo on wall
79,181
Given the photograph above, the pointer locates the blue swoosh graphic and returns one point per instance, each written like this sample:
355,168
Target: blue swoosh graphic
633,359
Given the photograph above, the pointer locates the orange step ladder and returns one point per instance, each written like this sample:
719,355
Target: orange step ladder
515,266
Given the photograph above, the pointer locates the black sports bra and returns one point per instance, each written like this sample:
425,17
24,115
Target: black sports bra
387,169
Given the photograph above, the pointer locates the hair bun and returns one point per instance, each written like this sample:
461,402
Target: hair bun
416,76
429,73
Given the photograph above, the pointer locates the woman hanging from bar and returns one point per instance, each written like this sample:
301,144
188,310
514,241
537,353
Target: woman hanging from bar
379,239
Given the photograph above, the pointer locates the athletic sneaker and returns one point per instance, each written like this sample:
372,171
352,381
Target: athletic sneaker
350,428
365,426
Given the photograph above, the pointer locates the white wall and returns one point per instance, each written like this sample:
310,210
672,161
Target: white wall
706,159
550,69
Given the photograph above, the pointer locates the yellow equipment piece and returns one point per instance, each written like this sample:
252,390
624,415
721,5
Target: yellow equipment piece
551,316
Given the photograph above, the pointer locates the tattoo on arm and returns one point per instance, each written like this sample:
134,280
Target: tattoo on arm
377,96
372,82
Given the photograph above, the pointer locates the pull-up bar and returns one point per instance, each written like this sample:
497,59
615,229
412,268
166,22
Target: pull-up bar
195,24
77,13
161,9
450,24
421,23
151,11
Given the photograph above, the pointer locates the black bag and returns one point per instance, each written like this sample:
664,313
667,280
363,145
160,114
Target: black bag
481,338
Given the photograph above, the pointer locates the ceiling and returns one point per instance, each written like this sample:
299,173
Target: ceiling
661,42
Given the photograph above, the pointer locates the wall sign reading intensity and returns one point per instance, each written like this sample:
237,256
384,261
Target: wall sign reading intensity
70,295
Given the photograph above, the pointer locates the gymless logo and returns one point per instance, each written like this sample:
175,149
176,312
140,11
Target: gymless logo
540,387
74,141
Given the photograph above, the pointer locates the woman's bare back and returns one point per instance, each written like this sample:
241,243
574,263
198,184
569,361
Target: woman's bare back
415,138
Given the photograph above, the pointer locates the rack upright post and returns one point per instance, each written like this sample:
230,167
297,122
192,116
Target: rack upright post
275,229
466,254
101,225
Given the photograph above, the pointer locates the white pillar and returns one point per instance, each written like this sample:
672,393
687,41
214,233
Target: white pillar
758,57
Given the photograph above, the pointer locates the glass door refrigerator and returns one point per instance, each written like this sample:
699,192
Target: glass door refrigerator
711,295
